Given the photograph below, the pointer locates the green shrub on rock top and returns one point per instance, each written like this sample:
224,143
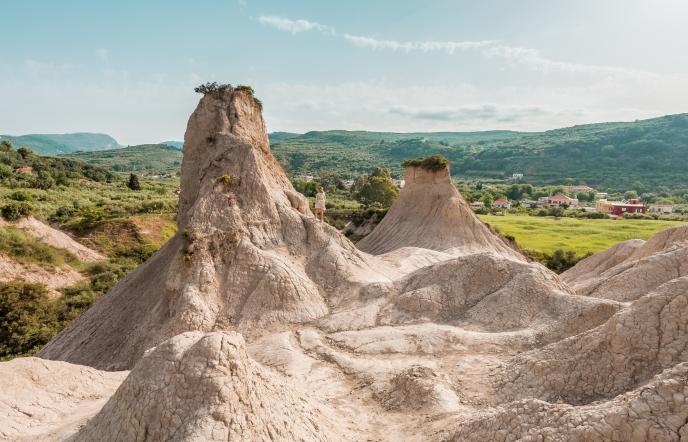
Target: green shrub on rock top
212,88
432,163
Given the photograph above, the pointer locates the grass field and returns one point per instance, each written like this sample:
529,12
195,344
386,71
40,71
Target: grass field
546,234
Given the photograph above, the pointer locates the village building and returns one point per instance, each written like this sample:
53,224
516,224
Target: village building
502,203
617,209
560,200
477,204
663,208
517,176
529,203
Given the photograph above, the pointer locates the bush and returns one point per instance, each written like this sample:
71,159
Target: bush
133,182
559,261
592,215
245,88
378,189
16,210
212,88
21,195
27,319
43,181
225,179
433,163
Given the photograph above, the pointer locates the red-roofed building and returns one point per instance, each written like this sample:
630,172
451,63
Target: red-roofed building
624,207
617,209
559,200
502,203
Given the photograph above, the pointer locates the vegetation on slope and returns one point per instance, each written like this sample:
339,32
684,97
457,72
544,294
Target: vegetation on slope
636,156
97,207
21,247
323,151
147,159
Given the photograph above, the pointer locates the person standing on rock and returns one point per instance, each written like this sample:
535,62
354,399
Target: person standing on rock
320,203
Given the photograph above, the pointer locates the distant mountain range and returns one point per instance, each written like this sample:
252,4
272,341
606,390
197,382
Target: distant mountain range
55,144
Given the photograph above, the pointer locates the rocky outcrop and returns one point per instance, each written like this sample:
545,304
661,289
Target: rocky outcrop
249,254
430,213
204,387
633,268
657,411
49,400
624,352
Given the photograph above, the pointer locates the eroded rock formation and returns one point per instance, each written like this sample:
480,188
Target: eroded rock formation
441,332
202,387
430,213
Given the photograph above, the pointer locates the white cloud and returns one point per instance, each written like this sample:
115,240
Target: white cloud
423,46
482,113
448,106
530,58
535,60
294,26
242,3
103,54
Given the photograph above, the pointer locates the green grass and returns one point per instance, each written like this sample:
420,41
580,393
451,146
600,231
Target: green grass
583,236
24,248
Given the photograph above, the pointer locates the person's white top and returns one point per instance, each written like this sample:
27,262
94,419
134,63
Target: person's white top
320,200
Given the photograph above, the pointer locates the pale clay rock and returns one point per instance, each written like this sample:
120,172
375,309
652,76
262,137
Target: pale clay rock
443,332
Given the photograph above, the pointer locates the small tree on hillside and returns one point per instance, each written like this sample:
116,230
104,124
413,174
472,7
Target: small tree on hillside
378,189
6,146
134,183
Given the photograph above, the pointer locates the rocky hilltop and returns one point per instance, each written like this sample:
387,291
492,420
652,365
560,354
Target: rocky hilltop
257,322
430,213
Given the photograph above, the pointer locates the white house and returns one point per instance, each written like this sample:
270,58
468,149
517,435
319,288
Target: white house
663,208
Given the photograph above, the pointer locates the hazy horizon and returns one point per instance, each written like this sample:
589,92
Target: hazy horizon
128,69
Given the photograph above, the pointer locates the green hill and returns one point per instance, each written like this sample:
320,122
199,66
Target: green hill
22,168
146,159
54,144
648,153
352,152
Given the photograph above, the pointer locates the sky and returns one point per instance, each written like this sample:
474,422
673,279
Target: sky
128,68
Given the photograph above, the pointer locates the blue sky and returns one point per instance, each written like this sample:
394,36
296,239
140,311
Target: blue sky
128,68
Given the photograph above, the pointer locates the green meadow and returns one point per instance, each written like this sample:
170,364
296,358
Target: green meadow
583,236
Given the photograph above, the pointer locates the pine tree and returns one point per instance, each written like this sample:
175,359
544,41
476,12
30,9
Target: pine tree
133,183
